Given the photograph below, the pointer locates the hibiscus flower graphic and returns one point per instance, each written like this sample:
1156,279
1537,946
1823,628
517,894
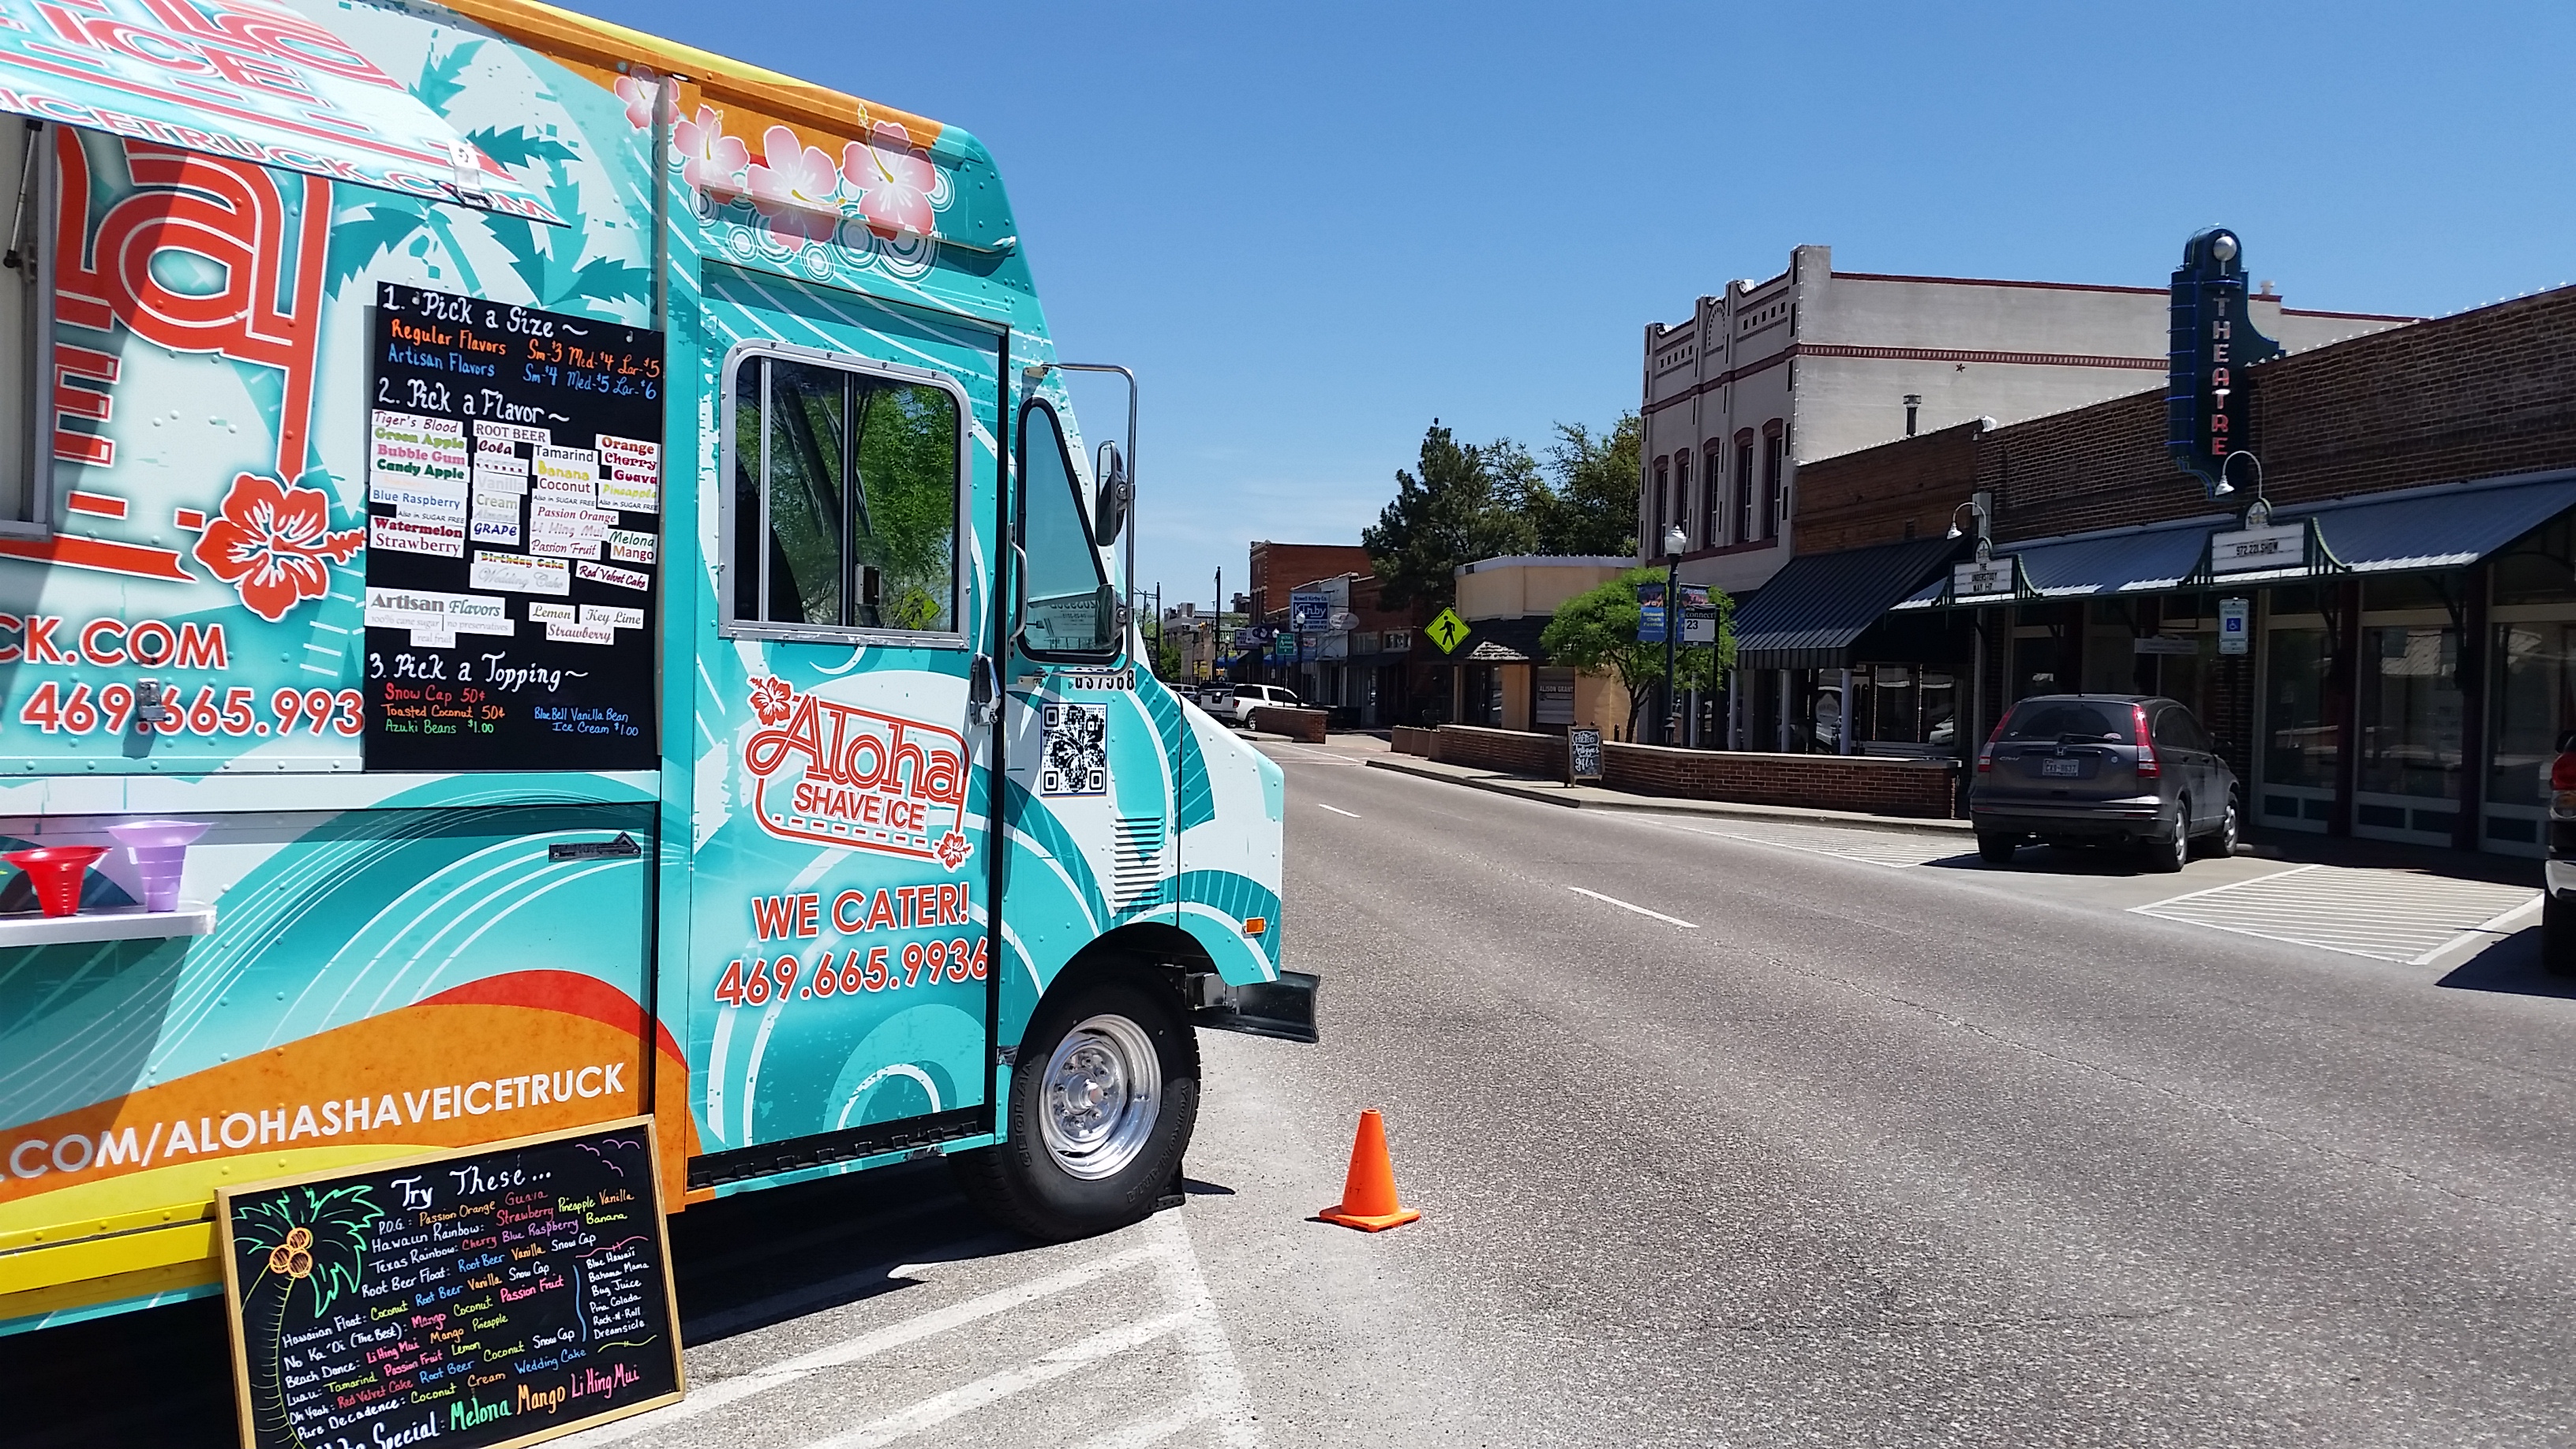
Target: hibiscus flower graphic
637,91
796,187
893,180
772,700
711,161
270,542
953,850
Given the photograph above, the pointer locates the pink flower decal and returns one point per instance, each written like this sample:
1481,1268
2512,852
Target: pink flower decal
772,700
953,850
796,187
711,161
637,91
893,180
270,542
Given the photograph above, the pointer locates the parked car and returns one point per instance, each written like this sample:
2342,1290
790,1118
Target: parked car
2558,873
2104,769
1249,697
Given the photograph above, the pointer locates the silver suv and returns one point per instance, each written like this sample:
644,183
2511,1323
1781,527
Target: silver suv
2103,769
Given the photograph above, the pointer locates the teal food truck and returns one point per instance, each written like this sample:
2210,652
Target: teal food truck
545,577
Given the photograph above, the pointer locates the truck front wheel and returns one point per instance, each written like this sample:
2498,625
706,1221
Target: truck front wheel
1102,1098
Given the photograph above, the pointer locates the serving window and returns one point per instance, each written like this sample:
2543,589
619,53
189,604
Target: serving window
848,483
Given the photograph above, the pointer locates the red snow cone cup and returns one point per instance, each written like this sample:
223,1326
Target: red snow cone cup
56,871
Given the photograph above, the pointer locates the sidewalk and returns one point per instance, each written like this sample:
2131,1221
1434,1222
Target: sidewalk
1593,797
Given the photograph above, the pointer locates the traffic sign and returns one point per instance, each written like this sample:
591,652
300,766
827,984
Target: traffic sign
1447,630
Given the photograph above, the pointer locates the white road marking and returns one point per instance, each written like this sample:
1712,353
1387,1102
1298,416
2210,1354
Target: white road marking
706,1398
2489,928
1630,906
1222,1396
1887,849
1219,1398
1336,809
1144,1433
993,1388
2386,915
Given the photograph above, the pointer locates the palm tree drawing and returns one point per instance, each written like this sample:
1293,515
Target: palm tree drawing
301,1236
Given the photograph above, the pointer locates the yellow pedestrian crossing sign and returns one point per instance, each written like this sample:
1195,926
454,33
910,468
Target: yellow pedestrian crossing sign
1447,630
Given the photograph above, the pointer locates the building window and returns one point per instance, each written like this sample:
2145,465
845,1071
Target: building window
1681,492
1067,607
1712,482
26,327
1774,449
848,478
1747,508
1654,541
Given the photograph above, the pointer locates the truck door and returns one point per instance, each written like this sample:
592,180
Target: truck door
837,971
1095,755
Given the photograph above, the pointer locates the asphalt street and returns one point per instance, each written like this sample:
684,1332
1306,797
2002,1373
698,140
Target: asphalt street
1723,1133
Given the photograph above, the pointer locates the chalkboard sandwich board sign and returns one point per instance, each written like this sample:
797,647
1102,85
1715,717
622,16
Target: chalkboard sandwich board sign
498,1296
514,537
1582,754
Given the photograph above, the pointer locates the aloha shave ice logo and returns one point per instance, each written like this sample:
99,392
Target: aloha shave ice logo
835,774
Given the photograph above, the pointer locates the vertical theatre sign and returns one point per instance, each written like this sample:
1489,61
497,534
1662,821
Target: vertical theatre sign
2212,342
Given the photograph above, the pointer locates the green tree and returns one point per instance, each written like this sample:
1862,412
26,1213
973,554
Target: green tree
1465,503
1592,509
1597,631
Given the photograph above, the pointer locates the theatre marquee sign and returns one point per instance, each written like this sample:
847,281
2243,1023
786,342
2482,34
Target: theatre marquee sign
2211,342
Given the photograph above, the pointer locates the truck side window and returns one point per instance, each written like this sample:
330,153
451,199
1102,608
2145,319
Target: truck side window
1067,606
846,488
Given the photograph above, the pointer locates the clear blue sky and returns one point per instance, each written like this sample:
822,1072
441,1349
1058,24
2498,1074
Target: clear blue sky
1312,228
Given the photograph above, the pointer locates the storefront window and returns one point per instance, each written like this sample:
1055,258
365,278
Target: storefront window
2410,712
2535,699
2035,668
2299,741
2411,591
2540,568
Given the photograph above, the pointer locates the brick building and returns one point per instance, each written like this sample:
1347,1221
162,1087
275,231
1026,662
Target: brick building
1769,377
2408,606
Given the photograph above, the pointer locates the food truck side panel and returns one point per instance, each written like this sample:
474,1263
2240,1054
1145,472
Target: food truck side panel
397,962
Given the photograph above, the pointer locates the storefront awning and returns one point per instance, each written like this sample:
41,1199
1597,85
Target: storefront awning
1808,614
2446,526
247,80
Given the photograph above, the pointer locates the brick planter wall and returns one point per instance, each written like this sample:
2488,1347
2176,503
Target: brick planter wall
1296,724
1511,751
1921,789
1408,740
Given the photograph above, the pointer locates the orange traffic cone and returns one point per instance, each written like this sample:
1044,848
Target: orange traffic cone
1368,1192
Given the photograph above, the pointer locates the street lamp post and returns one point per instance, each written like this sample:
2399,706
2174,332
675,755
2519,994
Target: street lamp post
1675,541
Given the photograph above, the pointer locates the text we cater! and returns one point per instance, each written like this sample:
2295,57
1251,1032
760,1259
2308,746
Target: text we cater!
624,671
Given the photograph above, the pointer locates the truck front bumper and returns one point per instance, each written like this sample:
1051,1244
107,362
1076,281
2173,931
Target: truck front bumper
1284,1008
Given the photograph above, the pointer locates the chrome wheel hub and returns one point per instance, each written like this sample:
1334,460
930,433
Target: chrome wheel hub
1100,1097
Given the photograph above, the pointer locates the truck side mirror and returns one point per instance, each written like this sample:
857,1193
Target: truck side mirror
1109,508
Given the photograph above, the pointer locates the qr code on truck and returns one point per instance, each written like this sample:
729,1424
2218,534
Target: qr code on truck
1074,759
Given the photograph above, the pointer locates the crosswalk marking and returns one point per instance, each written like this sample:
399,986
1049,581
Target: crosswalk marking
2386,915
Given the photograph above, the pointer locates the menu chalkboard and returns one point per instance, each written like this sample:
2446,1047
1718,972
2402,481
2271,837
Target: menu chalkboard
514,527
497,1296
1582,754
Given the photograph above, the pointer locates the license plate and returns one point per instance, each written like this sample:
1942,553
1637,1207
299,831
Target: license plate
2066,768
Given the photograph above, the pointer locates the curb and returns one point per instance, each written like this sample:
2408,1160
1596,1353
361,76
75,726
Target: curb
1550,793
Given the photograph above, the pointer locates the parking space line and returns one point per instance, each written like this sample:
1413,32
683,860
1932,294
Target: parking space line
1222,1395
1628,906
709,1397
993,1388
1147,1432
2152,906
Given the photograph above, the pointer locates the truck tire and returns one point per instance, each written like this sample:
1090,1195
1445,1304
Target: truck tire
1102,1099
2557,937
1996,849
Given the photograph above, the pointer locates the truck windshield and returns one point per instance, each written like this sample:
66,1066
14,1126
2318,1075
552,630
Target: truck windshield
1066,604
